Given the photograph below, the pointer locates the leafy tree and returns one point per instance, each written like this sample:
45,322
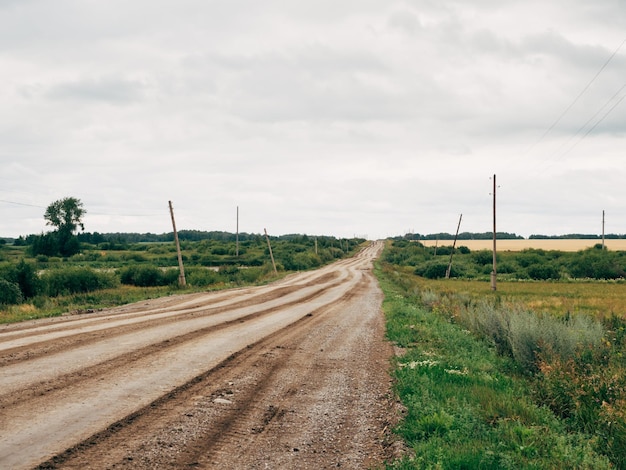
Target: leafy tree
66,216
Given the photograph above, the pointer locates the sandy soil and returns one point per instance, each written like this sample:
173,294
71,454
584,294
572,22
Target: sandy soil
290,375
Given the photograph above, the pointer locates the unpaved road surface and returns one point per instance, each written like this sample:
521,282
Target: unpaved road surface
289,375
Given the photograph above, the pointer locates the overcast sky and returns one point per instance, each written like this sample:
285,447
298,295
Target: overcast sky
365,117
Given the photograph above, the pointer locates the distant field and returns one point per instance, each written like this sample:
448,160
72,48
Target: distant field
519,245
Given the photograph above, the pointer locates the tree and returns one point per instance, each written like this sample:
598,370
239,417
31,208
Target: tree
66,215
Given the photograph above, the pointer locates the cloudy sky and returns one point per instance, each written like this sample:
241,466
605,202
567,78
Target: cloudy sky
346,117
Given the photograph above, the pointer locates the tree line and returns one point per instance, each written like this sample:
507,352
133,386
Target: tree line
505,236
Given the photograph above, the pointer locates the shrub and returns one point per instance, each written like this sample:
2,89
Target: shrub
74,280
597,265
524,334
229,273
202,277
432,270
27,279
543,271
10,293
483,257
529,257
136,257
148,276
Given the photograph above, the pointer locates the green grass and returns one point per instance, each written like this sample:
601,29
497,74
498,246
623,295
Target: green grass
468,407
43,307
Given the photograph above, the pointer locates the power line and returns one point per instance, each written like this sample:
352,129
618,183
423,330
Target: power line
89,213
21,203
589,121
571,105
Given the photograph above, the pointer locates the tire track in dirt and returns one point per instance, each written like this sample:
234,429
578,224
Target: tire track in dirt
254,365
11,341
21,349
101,365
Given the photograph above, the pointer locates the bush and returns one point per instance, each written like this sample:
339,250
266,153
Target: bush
596,265
27,279
10,293
201,277
229,273
72,280
542,272
25,276
483,257
148,276
436,269
432,270
524,335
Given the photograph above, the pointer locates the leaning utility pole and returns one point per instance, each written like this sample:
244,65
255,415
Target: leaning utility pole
181,277
603,230
453,245
237,236
494,272
271,254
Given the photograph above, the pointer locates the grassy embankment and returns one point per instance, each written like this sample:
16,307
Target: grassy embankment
489,381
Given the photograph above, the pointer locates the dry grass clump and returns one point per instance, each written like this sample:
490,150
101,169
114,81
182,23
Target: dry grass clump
524,334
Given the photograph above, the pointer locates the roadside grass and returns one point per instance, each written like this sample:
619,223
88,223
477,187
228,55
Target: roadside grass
44,306
467,406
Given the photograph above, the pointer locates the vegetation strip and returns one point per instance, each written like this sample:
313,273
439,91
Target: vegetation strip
121,268
467,406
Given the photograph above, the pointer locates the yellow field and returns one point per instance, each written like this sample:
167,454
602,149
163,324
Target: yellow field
599,299
519,245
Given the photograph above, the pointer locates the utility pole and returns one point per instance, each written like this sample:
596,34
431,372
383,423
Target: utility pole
237,236
494,272
269,245
453,245
603,230
181,277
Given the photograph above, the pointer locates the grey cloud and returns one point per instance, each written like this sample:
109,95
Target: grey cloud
106,90
405,21
307,83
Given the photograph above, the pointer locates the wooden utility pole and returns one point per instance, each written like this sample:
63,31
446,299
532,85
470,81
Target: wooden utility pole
269,245
237,236
453,246
494,272
181,277
603,230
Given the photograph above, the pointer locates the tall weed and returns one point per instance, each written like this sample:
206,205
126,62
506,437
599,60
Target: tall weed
523,334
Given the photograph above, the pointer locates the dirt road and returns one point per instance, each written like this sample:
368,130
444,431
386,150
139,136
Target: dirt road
289,375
